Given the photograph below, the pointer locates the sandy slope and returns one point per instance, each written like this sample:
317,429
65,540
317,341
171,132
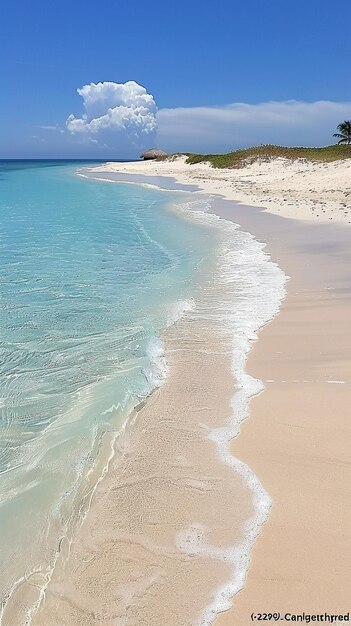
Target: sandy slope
300,189
296,439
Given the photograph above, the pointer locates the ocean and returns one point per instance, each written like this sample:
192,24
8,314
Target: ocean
92,275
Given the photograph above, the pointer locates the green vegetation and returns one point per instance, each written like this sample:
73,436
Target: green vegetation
344,134
240,158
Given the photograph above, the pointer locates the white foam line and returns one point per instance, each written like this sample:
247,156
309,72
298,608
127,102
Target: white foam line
132,182
261,289
258,287
156,376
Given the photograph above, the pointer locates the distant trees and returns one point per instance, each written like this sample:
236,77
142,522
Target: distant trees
344,134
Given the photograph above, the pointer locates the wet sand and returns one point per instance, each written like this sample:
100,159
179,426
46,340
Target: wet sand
297,439
144,554
123,566
295,188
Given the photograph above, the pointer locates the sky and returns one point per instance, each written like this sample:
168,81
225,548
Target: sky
110,79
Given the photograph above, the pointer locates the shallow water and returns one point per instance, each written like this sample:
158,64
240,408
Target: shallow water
91,274
176,489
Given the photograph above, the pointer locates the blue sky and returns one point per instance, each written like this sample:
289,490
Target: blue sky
194,58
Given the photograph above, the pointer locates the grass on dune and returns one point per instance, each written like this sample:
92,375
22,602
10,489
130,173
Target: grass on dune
240,158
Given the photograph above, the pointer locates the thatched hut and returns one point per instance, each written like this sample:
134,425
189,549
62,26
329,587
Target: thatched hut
154,153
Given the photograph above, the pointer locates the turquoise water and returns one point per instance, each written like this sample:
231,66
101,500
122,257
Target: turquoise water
91,274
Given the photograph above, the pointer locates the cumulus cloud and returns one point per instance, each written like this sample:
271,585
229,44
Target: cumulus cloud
220,128
123,118
120,116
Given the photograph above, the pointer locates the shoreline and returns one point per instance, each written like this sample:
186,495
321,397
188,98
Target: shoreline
200,541
232,614
316,254
297,434
297,189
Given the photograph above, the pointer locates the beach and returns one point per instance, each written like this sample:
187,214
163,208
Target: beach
298,432
294,188
175,299
144,553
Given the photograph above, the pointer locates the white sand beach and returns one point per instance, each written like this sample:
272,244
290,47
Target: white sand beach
123,567
298,188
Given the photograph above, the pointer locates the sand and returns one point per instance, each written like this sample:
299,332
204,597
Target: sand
298,435
136,558
123,567
297,188
153,534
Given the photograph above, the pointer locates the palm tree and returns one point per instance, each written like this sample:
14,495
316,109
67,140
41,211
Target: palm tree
344,133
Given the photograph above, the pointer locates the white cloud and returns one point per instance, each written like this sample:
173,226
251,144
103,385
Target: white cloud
238,125
55,128
121,116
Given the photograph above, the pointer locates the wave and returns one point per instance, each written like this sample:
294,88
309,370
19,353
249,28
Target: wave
244,294
89,475
253,288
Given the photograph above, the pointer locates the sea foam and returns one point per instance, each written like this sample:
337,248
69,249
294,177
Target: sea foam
253,289
91,275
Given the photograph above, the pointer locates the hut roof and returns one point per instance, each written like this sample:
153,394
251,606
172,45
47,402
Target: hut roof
153,153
